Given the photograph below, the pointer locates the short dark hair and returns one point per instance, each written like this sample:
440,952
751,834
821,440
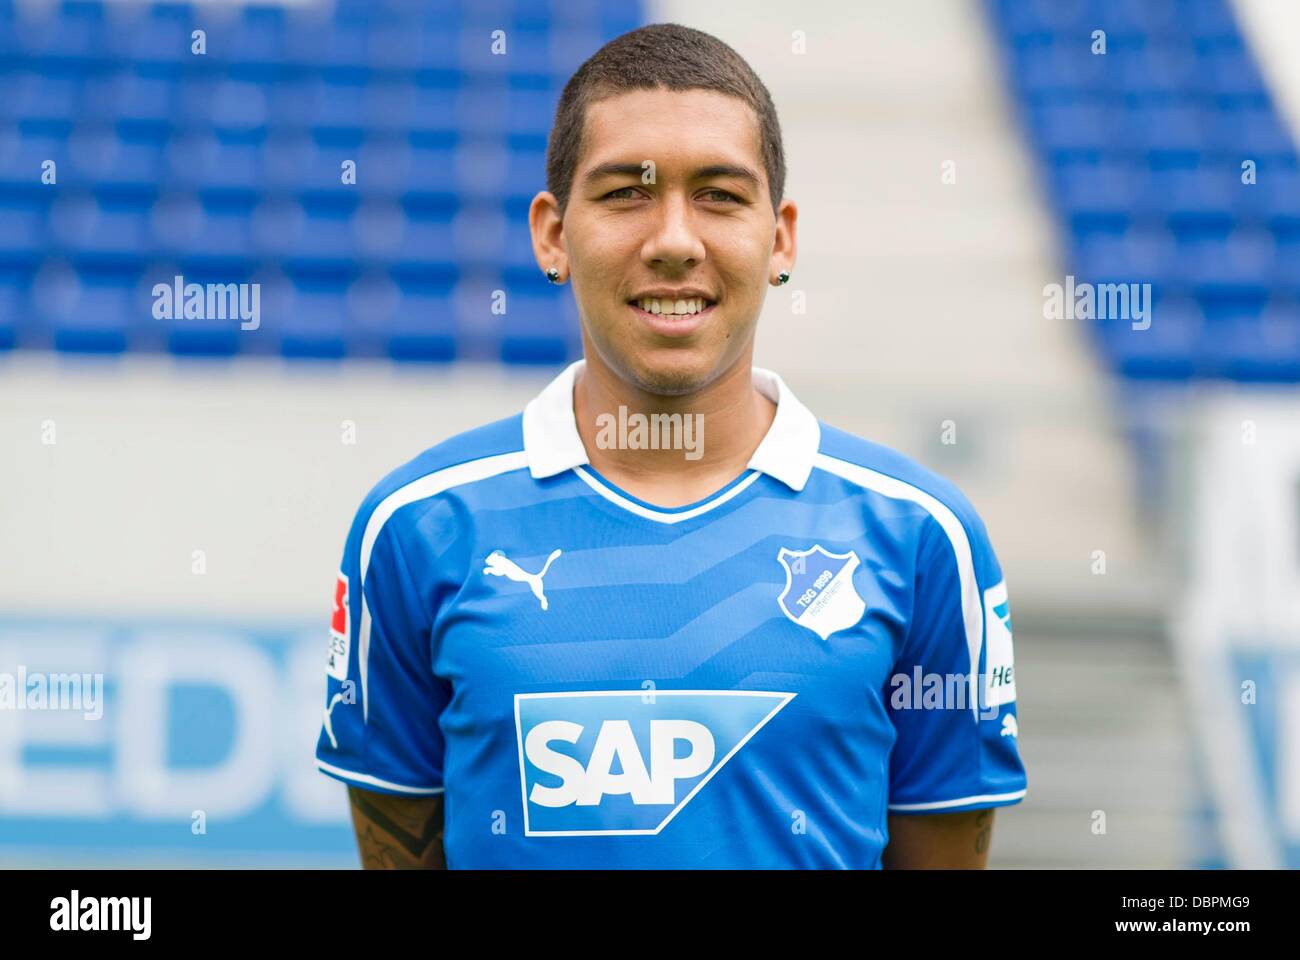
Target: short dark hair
665,55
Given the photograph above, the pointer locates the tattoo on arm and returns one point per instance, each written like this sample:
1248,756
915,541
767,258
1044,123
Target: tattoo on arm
397,833
947,841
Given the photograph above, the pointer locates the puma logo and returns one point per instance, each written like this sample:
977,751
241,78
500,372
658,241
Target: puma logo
499,565
329,730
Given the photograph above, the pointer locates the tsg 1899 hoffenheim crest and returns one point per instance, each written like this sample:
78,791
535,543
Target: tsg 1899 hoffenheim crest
819,592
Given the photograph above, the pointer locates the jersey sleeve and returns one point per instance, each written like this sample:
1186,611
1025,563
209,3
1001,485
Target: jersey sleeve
956,746
382,701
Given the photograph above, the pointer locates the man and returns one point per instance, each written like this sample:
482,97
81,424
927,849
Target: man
665,618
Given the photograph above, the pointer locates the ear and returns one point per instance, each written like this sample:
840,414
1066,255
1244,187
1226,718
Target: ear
547,228
786,243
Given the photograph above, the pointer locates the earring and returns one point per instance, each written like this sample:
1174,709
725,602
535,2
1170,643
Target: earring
553,275
783,276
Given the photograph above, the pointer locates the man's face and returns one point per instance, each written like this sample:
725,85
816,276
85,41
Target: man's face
702,229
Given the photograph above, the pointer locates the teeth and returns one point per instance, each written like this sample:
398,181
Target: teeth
671,307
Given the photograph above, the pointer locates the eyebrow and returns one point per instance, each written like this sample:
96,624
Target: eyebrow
615,169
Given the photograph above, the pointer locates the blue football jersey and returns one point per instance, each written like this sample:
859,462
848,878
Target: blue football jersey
754,680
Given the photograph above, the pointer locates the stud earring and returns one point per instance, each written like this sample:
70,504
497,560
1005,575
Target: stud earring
783,276
553,275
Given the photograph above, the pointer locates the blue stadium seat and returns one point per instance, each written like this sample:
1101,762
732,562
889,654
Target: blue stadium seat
530,109
483,109
1139,254
229,165
1122,19
422,45
387,106
1058,66
423,327
259,37
1286,261
536,329
384,165
324,170
23,226
314,41
1238,266
1209,20
1167,68
1144,150
336,106
239,107
210,335
196,231
1075,126
131,96
163,36
24,153
1164,351
88,230
1274,198
287,162
1166,127
198,161
1096,188
1231,71
86,312
276,225
327,234
54,34
315,325
431,169
1191,196
517,253
428,237
432,110
1258,344
528,49
1249,131
13,305
30,95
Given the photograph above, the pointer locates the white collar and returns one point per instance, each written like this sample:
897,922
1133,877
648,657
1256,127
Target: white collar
552,443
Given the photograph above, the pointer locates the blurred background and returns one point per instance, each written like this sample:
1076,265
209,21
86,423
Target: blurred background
175,491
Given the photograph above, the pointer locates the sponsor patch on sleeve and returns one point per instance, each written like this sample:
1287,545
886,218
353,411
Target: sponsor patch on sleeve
337,666
999,668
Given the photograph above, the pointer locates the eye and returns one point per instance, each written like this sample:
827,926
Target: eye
622,193
715,194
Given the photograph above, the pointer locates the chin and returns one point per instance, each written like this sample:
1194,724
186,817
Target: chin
672,369
673,372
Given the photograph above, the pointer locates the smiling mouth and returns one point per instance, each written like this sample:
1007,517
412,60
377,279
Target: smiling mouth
673,308
674,319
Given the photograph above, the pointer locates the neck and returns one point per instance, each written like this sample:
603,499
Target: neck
671,447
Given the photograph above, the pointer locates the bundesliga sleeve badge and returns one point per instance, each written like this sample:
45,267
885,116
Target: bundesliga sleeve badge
337,665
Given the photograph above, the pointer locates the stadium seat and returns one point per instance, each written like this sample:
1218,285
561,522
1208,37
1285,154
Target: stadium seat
1146,152
231,164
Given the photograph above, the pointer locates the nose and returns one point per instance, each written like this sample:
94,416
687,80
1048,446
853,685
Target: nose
674,242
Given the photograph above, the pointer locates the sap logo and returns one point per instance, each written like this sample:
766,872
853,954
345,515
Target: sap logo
627,762
616,742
